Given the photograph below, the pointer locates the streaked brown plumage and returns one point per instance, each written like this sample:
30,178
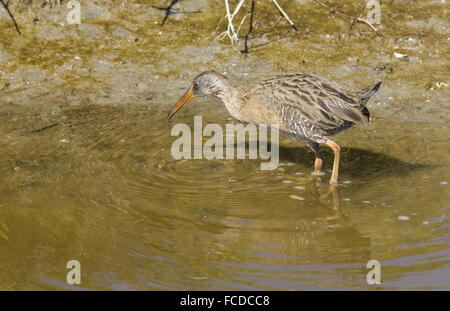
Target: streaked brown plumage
306,108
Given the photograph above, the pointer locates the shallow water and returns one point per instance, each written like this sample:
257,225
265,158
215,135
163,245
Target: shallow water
102,187
87,172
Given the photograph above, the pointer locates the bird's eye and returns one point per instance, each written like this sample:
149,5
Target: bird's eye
195,86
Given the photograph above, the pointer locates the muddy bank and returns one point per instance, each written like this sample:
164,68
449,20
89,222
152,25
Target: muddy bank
122,54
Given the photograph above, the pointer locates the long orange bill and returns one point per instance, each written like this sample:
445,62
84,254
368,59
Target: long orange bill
188,96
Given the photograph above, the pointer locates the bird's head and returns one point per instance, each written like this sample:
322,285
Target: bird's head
206,83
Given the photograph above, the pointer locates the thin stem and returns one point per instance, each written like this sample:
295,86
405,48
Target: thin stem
352,19
6,6
250,29
284,14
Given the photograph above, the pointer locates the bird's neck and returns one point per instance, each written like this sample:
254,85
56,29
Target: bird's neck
231,97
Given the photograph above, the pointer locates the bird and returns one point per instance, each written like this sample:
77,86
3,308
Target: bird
306,108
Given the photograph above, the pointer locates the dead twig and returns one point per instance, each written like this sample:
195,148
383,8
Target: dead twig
169,10
252,12
352,19
233,34
6,6
41,129
284,14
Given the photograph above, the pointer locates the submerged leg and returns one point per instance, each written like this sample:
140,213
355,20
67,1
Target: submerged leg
318,162
318,166
336,150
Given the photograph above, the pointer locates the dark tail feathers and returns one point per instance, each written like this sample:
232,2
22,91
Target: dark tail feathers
367,93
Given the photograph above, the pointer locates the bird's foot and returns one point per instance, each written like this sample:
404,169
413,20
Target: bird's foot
334,185
317,173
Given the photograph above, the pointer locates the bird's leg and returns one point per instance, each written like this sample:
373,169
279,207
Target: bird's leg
336,206
318,162
336,150
318,166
